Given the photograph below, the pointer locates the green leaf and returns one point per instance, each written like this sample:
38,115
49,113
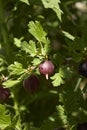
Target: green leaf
47,46
25,1
18,124
16,69
2,68
54,5
48,125
68,35
37,31
70,99
61,115
29,48
5,119
76,57
36,61
2,63
17,42
77,44
58,78
10,83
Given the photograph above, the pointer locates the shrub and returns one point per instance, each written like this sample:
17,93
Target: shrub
37,39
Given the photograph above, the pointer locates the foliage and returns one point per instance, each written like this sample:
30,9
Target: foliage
31,32
5,120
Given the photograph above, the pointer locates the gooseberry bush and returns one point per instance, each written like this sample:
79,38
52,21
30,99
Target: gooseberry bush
43,64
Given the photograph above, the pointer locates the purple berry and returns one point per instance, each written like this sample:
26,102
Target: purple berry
4,93
46,68
31,83
83,68
82,126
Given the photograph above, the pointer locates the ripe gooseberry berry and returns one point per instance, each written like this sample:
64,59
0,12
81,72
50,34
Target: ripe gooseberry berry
83,68
82,126
46,68
4,93
31,83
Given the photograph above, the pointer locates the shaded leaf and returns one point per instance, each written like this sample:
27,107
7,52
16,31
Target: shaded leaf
77,44
34,128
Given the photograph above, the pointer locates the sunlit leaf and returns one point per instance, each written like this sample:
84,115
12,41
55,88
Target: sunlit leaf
54,5
5,119
37,31
10,83
47,46
62,115
29,47
25,1
17,42
58,78
36,61
68,35
16,69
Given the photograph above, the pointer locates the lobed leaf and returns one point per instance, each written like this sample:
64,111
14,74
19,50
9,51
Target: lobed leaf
5,119
54,5
36,61
16,69
29,48
37,31
25,1
58,78
47,46
10,83
17,42
61,115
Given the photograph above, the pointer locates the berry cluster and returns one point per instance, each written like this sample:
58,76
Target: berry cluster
31,83
46,68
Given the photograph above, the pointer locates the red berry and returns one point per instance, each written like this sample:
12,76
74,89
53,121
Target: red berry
31,83
46,68
4,93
